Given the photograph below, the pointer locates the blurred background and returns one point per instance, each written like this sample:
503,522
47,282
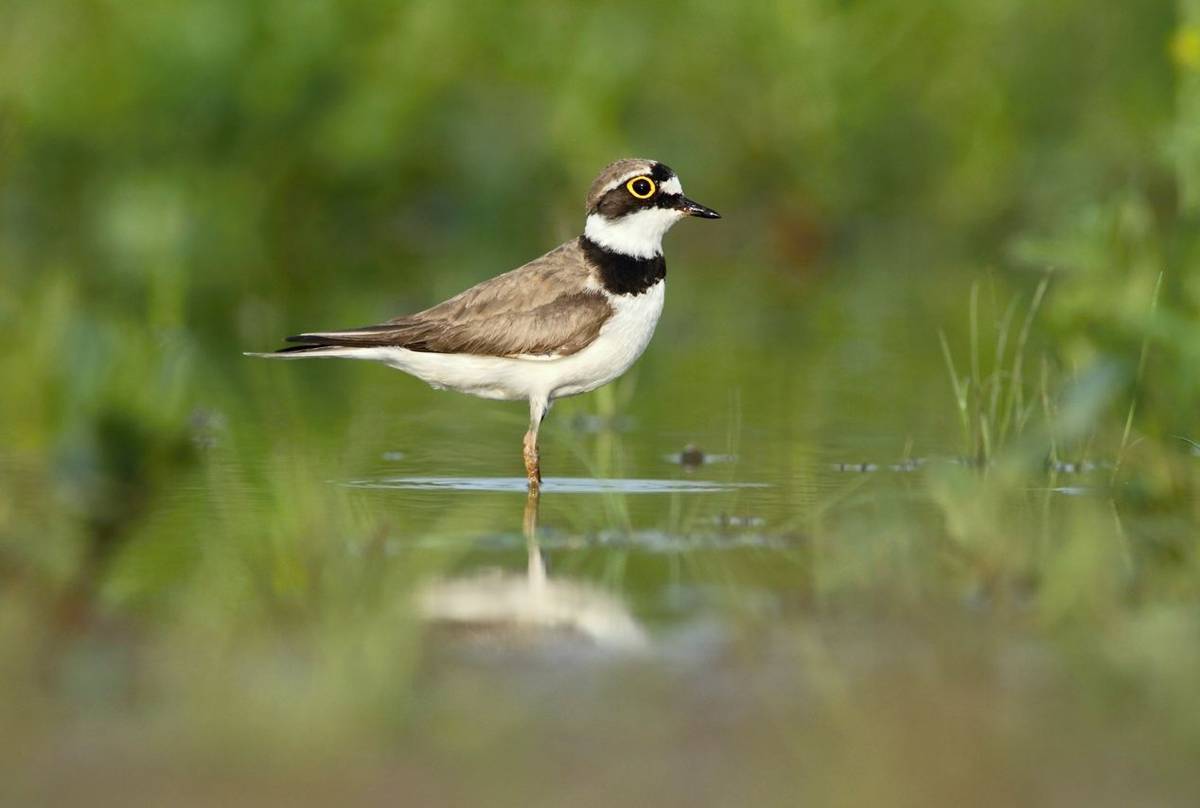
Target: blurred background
936,535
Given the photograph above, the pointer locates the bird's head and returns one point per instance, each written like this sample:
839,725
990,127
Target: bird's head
633,203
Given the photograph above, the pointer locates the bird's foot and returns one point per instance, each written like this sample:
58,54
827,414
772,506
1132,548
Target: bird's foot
534,475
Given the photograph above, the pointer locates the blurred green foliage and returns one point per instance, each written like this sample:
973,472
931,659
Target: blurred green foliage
208,173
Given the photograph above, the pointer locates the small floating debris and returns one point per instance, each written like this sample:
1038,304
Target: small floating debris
1075,467
662,541
969,462
907,465
693,457
392,457
1078,490
864,468
726,521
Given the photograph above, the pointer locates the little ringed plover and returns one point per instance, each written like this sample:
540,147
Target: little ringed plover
562,324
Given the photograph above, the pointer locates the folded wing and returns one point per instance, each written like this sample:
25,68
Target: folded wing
544,308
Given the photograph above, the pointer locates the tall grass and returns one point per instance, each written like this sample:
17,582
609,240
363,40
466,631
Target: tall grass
993,402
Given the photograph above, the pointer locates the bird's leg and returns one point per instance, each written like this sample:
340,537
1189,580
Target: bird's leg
530,450
533,470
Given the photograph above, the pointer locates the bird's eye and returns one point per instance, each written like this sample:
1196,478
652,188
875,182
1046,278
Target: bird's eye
641,187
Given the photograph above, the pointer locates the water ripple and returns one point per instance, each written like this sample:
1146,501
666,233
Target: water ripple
559,485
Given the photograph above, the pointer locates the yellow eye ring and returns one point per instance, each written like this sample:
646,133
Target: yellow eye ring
641,187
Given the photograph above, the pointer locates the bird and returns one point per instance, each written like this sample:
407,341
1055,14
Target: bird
560,325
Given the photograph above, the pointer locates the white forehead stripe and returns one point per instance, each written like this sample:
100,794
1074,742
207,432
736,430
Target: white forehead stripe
671,186
624,179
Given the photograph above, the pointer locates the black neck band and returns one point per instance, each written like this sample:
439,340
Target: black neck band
623,274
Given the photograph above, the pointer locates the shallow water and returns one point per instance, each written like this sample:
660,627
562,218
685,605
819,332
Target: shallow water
551,485
770,575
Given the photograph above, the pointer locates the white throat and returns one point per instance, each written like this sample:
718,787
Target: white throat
638,235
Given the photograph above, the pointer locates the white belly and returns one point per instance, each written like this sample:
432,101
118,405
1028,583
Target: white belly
621,341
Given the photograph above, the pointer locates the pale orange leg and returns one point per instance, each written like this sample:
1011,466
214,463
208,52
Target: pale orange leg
533,470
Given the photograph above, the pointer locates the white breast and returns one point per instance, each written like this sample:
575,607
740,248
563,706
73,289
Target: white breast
620,342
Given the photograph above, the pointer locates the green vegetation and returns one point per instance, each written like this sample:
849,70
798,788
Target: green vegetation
950,323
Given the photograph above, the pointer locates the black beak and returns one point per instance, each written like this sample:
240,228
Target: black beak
691,208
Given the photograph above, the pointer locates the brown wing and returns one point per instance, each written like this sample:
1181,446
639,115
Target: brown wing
541,308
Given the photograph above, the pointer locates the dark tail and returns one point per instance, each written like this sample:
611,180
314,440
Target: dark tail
309,347
313,346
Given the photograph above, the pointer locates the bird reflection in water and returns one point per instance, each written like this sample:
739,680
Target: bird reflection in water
531,608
